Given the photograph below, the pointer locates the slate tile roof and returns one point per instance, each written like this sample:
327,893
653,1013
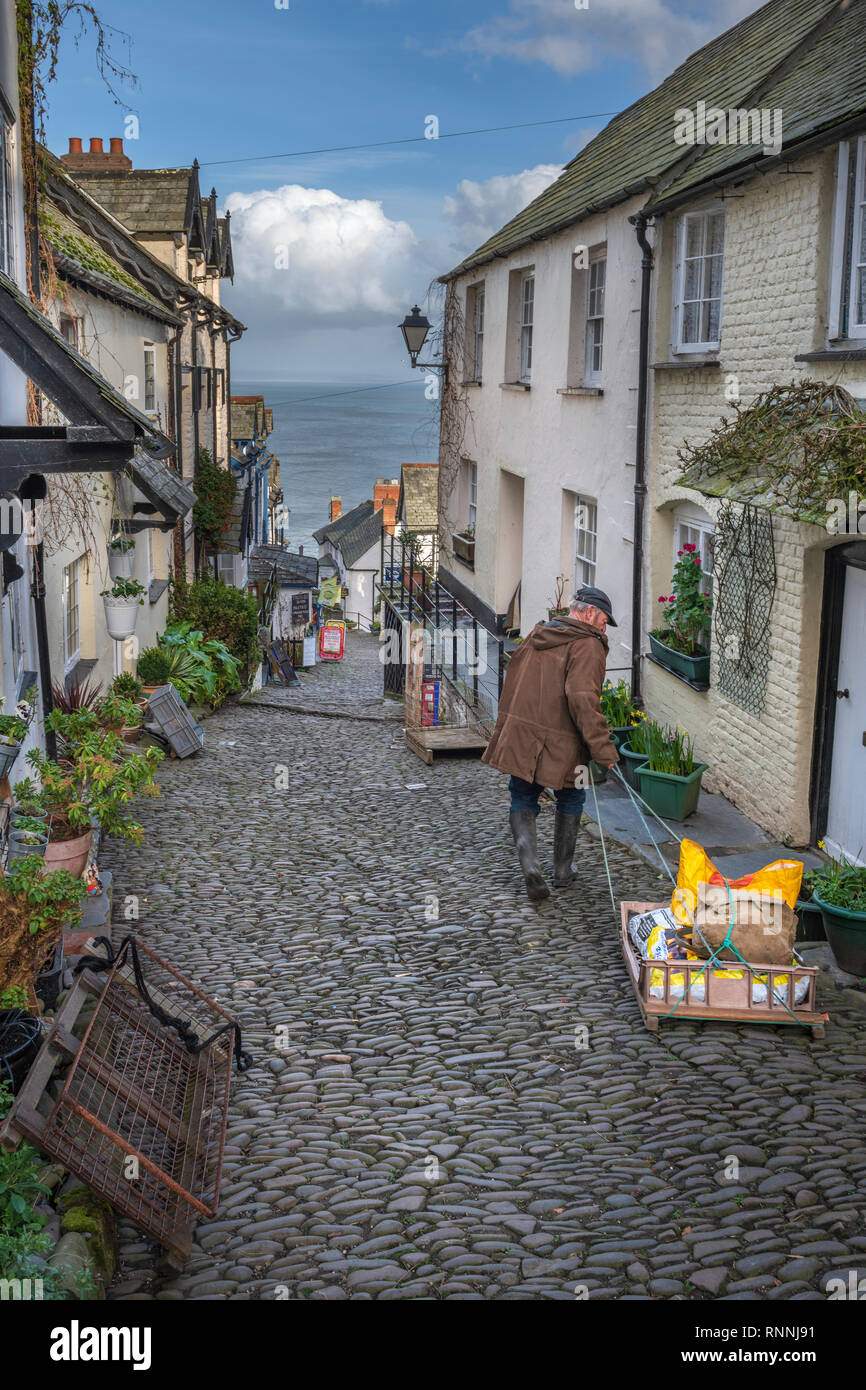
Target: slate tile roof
334,530
150,200
161,485
636,152
354,532
292,568
418,503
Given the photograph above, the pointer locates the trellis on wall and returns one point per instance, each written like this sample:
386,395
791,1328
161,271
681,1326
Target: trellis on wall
745,585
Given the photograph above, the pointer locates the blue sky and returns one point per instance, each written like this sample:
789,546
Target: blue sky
328,248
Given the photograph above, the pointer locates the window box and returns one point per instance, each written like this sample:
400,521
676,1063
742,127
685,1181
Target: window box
464,549
694,668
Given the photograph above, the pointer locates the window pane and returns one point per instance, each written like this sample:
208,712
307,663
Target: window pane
692,283
690,323
715,234
694,236
714,321
861,295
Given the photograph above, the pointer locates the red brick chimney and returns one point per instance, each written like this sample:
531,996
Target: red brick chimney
336,508
385,488
96,160
389,514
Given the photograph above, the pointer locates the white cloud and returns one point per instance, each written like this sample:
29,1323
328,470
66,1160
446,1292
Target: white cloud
321,258
656,34
477,210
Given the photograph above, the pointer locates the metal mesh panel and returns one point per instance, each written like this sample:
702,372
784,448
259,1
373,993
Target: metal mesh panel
745,580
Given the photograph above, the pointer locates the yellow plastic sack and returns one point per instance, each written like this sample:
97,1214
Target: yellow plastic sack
782,879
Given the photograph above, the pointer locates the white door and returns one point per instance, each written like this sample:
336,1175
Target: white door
846,818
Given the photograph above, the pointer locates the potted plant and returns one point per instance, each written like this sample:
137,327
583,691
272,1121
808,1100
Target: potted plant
670,779
686,615
121,715
122,602
20,1036
34,908
29,804
619,710
557,610
839,890
121,557
27,836
464,545
810,919
94,789
633,750
154,669
13,730
129,687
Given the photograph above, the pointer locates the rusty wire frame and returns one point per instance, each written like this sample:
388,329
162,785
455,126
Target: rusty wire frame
141,1119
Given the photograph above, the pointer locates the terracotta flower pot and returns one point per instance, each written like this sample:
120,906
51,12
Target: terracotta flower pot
71,855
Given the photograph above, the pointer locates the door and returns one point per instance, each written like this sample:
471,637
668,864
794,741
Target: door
846,812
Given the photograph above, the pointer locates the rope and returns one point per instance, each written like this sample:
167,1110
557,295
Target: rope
188,1037
726,943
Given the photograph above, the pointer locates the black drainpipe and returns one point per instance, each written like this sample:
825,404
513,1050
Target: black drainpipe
639,222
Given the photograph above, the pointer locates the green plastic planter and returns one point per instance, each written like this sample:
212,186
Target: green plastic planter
629,764
620,733
694,668
672,797
810,921
846,933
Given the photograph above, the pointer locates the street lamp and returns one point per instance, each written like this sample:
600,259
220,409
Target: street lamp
415,328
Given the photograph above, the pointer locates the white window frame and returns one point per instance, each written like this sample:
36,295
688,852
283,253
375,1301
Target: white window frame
699,214
526,311
478,332
594,335
471,495
585,541
71,577
695,527
150,363
150,555
7,195
855,237
16,628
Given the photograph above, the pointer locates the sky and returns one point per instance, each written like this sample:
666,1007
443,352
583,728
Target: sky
331,250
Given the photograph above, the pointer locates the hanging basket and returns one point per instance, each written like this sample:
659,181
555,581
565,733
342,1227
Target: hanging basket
8,753
121,616
120,563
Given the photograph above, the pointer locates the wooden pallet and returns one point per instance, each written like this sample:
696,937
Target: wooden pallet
445,738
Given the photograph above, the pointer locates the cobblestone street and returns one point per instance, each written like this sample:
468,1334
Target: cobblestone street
432,1130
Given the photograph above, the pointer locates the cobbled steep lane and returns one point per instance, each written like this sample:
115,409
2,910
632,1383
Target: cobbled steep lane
433,1129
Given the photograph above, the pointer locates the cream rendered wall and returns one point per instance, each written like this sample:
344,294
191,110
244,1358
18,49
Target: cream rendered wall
13,411
774,307
581,444
112,339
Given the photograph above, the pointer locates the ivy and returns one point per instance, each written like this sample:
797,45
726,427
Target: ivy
215,490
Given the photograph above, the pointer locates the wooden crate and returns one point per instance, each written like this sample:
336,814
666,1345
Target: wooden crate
727,1000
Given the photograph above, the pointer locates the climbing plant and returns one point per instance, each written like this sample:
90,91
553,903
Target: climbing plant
215,491
805,442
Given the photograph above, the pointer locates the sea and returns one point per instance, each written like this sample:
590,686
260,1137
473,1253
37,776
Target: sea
337,438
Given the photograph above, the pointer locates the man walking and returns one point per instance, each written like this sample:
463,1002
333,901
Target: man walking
550,724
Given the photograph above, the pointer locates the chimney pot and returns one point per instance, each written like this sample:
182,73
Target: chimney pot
116,144
336,508
95,144
300,550
74,144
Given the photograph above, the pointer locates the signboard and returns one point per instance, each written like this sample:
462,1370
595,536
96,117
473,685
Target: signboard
300,609
309,658
332,641
330,591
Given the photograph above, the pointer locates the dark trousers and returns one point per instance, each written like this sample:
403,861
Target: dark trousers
524,797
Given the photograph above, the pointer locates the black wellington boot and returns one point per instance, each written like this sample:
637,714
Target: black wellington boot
564,837
524,830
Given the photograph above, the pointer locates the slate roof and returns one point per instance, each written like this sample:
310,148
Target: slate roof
151,200
334,530
81,260
418,503
250,418
161,485
292,568
636,150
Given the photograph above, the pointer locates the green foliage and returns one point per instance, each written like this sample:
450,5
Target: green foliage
215,490
838,883
13,997
125,588
666,749
203,669
230,615
100,782
127,685
28,796
617,705
121,544
51,900
119,712
154,666
688,613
